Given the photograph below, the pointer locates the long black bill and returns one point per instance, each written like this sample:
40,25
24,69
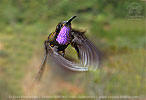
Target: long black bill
67,22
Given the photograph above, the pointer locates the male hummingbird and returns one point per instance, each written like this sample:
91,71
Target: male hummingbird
59,40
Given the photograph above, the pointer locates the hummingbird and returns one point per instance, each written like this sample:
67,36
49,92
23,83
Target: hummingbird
57,42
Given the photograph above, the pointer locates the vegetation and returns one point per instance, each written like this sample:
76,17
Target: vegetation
24,24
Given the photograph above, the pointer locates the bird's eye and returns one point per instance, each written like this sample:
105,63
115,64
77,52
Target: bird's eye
59,26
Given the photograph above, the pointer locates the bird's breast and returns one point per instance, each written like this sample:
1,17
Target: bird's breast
64,36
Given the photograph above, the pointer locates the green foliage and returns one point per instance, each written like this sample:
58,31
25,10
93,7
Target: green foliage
30,11
19,43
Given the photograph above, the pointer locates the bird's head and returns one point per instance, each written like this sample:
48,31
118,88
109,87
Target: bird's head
64,25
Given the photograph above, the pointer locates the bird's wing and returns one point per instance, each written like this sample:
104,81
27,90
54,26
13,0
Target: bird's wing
61,61
42,67
57,58
88,54
43,64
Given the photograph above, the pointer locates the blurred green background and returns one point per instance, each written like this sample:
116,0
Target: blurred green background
117,28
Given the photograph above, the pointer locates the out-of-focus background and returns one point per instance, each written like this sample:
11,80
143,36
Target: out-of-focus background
117,28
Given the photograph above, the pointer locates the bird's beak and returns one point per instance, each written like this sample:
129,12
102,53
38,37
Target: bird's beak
69,21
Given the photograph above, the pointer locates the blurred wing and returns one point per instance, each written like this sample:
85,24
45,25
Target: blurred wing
42,67
63,62
87,52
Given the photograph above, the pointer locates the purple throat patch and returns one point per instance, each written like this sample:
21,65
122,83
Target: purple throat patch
64,35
